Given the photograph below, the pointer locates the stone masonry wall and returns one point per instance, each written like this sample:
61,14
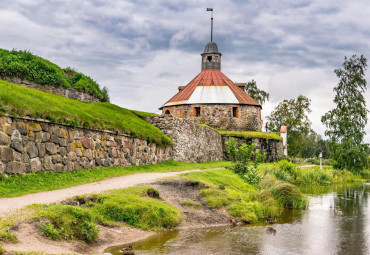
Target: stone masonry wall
273,148
220,116
191,142
60,91
28,145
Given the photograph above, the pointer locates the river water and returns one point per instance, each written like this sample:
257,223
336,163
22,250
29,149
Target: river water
336,222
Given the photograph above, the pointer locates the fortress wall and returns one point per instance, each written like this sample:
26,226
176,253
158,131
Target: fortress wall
28,145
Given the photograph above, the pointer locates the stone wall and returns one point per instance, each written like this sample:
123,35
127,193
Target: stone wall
60,91
28,145
191,142
273,148
220,116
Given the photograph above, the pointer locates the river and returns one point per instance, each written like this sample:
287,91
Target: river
336,222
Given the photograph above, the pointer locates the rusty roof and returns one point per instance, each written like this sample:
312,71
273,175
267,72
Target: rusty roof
211,77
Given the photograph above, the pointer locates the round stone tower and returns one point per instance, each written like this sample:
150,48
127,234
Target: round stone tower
212,98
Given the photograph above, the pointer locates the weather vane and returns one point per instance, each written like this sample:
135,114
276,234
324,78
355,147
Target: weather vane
211,10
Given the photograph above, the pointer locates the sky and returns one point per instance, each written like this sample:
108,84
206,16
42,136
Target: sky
143,50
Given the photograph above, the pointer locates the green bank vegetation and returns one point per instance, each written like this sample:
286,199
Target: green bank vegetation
20,101
45,181
242,200
250,134
78,218
25,65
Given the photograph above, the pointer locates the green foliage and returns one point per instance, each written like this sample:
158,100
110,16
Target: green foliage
346,123
191,204
240,198
130,205
293,114
25,65
250,134
7,237
21,101
287,195
240,157
2,250
45,181
259,95
67,222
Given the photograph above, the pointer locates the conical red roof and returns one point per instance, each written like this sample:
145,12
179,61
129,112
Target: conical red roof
211,86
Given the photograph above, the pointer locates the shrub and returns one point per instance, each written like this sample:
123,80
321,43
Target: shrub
6,236
241,156
248,212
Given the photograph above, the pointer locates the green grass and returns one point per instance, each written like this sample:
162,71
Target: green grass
25,65
45,181
131,206
20,101
250,134
7,237
242,200
191,204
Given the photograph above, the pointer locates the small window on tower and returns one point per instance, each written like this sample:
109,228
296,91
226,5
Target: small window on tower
167,112
235,112
197,111
209,59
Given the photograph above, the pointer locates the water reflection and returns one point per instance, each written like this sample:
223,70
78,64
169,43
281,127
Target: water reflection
335,223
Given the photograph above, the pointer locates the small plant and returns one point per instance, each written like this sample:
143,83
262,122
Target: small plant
6,236
191,204
2,250
241,156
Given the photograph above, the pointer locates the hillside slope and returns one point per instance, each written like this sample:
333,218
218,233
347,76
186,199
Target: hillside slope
25,65
20,101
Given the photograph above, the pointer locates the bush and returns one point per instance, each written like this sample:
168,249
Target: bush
240,157
6,236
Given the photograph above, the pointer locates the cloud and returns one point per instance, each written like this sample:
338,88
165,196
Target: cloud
143,50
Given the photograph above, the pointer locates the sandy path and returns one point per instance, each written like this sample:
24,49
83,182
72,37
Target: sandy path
14,203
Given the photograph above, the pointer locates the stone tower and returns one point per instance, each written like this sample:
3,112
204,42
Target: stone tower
212,98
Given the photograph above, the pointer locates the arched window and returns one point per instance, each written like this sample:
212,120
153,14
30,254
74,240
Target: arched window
167,112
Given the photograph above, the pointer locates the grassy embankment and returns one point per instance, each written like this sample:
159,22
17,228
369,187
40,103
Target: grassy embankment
45,181
20,101
25,65
250,134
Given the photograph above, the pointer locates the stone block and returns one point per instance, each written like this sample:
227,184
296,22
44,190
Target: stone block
62,133
22,128
35,165
72,156
63,142
54,139
4,139
16,136
85,142
45,136
42,149
32,150
15,168
6,154
48,164
58,168
69,167
51,148
17,146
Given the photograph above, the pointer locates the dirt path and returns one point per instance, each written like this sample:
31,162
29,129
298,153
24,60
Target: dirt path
14,203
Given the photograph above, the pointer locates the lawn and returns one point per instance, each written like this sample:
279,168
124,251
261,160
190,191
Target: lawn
45,181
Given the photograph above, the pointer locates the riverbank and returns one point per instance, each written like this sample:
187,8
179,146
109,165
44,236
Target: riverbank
197,196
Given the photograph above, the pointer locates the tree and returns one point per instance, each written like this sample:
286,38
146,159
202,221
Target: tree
293,114
346,123
259,95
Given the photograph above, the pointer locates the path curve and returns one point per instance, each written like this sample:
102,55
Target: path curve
54,196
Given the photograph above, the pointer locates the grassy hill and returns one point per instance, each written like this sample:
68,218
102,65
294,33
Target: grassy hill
25,65
20,101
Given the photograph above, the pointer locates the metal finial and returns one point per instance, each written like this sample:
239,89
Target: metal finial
211,10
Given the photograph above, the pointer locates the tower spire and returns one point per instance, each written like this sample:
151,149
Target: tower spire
211,10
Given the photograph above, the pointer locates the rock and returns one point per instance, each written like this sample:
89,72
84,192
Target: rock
16,136
42,150
59,168
65,160
45,136
17,146
32,151
62,133
62,151
35,164
79,153
54,139
15,168
68,167
4,139
6,154
72,156
76,136
22,127
85,142
48,164
51,148
2,169
63,142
